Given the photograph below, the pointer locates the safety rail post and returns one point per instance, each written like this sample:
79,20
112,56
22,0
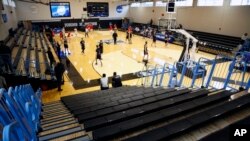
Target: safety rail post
194,71
184,68
231,68
244,73
211,73
171,75
162,74
154,75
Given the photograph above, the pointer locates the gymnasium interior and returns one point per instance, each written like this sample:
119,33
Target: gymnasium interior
183,65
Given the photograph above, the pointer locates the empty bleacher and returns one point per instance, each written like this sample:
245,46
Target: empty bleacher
29,57
215,43
140,113
125,113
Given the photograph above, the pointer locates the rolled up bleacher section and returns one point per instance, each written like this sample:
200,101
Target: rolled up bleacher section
30,60
215,43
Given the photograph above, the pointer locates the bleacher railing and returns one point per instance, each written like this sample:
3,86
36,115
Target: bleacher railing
222,72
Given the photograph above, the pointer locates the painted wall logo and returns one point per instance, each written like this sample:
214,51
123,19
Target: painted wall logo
119,9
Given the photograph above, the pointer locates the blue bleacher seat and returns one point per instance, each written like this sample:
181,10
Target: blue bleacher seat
20,109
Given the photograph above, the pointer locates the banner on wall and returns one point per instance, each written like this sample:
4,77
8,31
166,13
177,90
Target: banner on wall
4,17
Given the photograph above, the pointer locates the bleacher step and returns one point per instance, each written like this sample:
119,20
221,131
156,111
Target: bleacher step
55,117
72,136
58,122
52,103
43,121
50,114
53,106
81,138
59,125
60,134
54,110
58,129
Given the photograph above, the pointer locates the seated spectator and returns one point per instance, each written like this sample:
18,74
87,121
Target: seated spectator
244,37
116,80
104,82
137,29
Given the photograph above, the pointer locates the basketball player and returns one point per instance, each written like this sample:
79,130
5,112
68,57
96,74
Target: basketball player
154,40
101,46
145,53
82,45
115,37
86,31
145,48
130,37
98,55
75,29
66,47
166,41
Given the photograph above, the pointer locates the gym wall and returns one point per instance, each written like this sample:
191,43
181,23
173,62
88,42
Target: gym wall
11,21
30,11
233,20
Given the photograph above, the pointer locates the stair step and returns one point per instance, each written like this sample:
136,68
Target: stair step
56,119
57,122
81,138
60,134
58,129
55,114
53,106
59,125
52,103
55,109
71,136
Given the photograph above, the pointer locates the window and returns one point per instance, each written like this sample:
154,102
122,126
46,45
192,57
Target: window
137,4
184,2
239,2
160,4
210,3
147,4
5,2
11,3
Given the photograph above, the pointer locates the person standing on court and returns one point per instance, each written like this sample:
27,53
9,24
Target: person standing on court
101,46
115,37
98,55
59,70
86,31
66,47
104,82
154,40
116,80
58,50
82,45
145,52
51,57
